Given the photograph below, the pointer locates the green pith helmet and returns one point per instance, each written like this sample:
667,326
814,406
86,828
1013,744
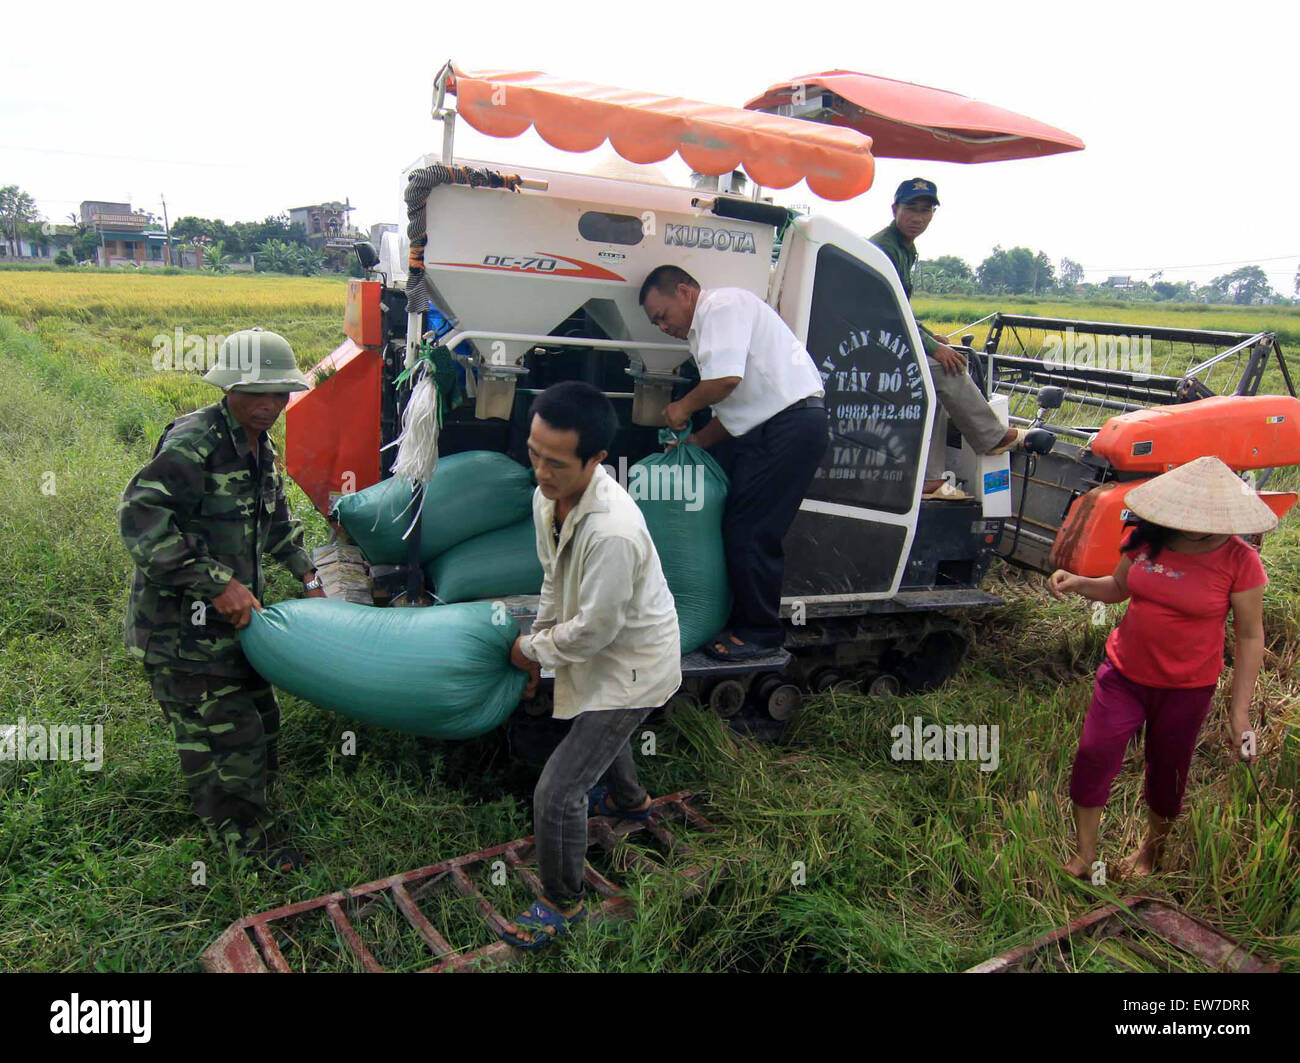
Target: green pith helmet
256,360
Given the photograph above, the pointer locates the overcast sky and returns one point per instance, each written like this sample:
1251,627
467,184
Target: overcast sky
241,110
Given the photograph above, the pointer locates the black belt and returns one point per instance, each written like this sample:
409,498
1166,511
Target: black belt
812,402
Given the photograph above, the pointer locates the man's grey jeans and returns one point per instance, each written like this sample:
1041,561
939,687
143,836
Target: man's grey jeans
961,400
594,751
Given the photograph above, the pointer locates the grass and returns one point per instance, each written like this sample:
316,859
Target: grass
908,866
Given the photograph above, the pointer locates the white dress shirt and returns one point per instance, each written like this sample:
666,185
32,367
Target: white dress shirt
606,620
735,333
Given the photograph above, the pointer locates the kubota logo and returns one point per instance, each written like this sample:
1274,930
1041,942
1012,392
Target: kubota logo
702,236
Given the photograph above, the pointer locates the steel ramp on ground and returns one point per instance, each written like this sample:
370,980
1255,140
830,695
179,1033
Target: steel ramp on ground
249,945
1167,922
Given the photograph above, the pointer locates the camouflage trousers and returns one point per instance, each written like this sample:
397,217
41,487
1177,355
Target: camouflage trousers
225,731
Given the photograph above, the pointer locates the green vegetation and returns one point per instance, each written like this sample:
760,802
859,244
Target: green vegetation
1020,271
910,866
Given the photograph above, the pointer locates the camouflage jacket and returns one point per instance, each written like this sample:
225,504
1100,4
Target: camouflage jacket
192,519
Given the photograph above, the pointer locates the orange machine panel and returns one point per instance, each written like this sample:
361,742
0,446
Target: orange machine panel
1247,432
363,320
1088,542
332,432
1280,502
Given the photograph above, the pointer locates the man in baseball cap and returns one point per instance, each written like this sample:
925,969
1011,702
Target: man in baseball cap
915,202
196,521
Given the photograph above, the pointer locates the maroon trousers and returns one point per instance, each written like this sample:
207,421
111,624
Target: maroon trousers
1119,708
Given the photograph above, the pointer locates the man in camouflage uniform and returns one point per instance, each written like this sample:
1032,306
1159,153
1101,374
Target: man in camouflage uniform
960,398
196,520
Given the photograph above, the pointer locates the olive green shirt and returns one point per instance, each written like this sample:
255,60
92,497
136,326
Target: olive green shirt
203,511
902,253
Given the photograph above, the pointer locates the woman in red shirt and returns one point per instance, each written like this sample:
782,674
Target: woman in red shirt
1184,567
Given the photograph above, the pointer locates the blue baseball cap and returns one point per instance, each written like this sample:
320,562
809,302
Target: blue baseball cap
916,188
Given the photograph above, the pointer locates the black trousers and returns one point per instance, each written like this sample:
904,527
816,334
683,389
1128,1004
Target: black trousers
770,468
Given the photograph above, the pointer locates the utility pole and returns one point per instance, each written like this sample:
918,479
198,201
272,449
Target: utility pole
171,257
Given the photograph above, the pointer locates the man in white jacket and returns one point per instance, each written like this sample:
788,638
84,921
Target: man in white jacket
606,625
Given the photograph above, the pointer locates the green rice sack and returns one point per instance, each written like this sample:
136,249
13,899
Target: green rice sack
492,565
470,493
682,493
440,672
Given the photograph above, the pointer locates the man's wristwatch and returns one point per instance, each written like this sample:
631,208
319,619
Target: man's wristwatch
314,584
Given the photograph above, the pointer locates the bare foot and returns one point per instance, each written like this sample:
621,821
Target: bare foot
1141,862
931,485
1079,868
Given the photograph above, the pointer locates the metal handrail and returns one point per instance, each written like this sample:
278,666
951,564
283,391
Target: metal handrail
560,341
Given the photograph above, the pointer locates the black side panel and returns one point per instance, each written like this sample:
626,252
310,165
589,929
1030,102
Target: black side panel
839,555
951,547
875,396
874,389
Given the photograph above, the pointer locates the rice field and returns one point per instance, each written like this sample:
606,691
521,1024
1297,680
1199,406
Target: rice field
907,866
94,294
949,313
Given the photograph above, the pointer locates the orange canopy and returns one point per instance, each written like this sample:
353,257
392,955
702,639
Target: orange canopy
644,128
907,121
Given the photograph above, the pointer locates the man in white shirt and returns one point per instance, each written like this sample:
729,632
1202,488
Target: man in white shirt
767,393
606,625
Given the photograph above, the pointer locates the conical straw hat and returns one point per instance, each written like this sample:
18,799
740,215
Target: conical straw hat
1203,496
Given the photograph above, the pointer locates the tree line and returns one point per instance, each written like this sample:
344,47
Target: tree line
277,245
1020,271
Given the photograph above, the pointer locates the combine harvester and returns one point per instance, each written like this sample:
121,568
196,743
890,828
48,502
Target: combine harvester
531,276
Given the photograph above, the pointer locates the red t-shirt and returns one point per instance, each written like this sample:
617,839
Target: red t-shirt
1173,633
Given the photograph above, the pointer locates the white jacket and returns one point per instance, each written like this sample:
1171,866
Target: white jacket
606,621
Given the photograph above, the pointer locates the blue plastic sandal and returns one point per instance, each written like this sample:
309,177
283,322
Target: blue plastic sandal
547,924
599,804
